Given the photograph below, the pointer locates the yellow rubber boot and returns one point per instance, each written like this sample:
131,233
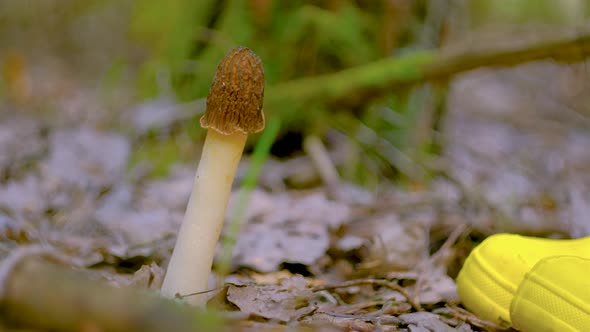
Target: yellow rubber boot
494,270
554,296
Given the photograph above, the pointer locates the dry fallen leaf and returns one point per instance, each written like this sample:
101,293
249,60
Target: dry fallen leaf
437,287
285,229
425,322
77,156
148,276
285,302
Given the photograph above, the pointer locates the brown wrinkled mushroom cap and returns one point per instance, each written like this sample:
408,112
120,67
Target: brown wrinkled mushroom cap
234,103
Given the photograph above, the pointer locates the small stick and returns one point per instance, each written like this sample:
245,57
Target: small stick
378,282
315,149
470,318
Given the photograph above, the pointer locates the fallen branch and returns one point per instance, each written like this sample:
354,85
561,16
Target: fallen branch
39,294
354,86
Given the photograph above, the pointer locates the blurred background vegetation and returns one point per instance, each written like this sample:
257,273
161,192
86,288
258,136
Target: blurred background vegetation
149,50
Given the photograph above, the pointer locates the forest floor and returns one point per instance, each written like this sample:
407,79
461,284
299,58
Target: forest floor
73,180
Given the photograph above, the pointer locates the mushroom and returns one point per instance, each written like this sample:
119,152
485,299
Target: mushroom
234,110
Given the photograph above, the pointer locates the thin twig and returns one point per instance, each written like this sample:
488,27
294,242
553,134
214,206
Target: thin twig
461,229
182,296
450,241
317,152
466,316
354,86
379,282
386,319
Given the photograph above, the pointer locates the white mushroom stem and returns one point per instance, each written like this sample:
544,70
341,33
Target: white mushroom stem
190,265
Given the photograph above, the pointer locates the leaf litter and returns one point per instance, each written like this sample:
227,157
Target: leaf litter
303,258
78,197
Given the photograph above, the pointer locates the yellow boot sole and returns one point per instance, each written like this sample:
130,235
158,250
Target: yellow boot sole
493,271
554,296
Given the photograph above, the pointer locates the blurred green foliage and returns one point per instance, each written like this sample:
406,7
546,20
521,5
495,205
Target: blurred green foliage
293,38
304,39
173,48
